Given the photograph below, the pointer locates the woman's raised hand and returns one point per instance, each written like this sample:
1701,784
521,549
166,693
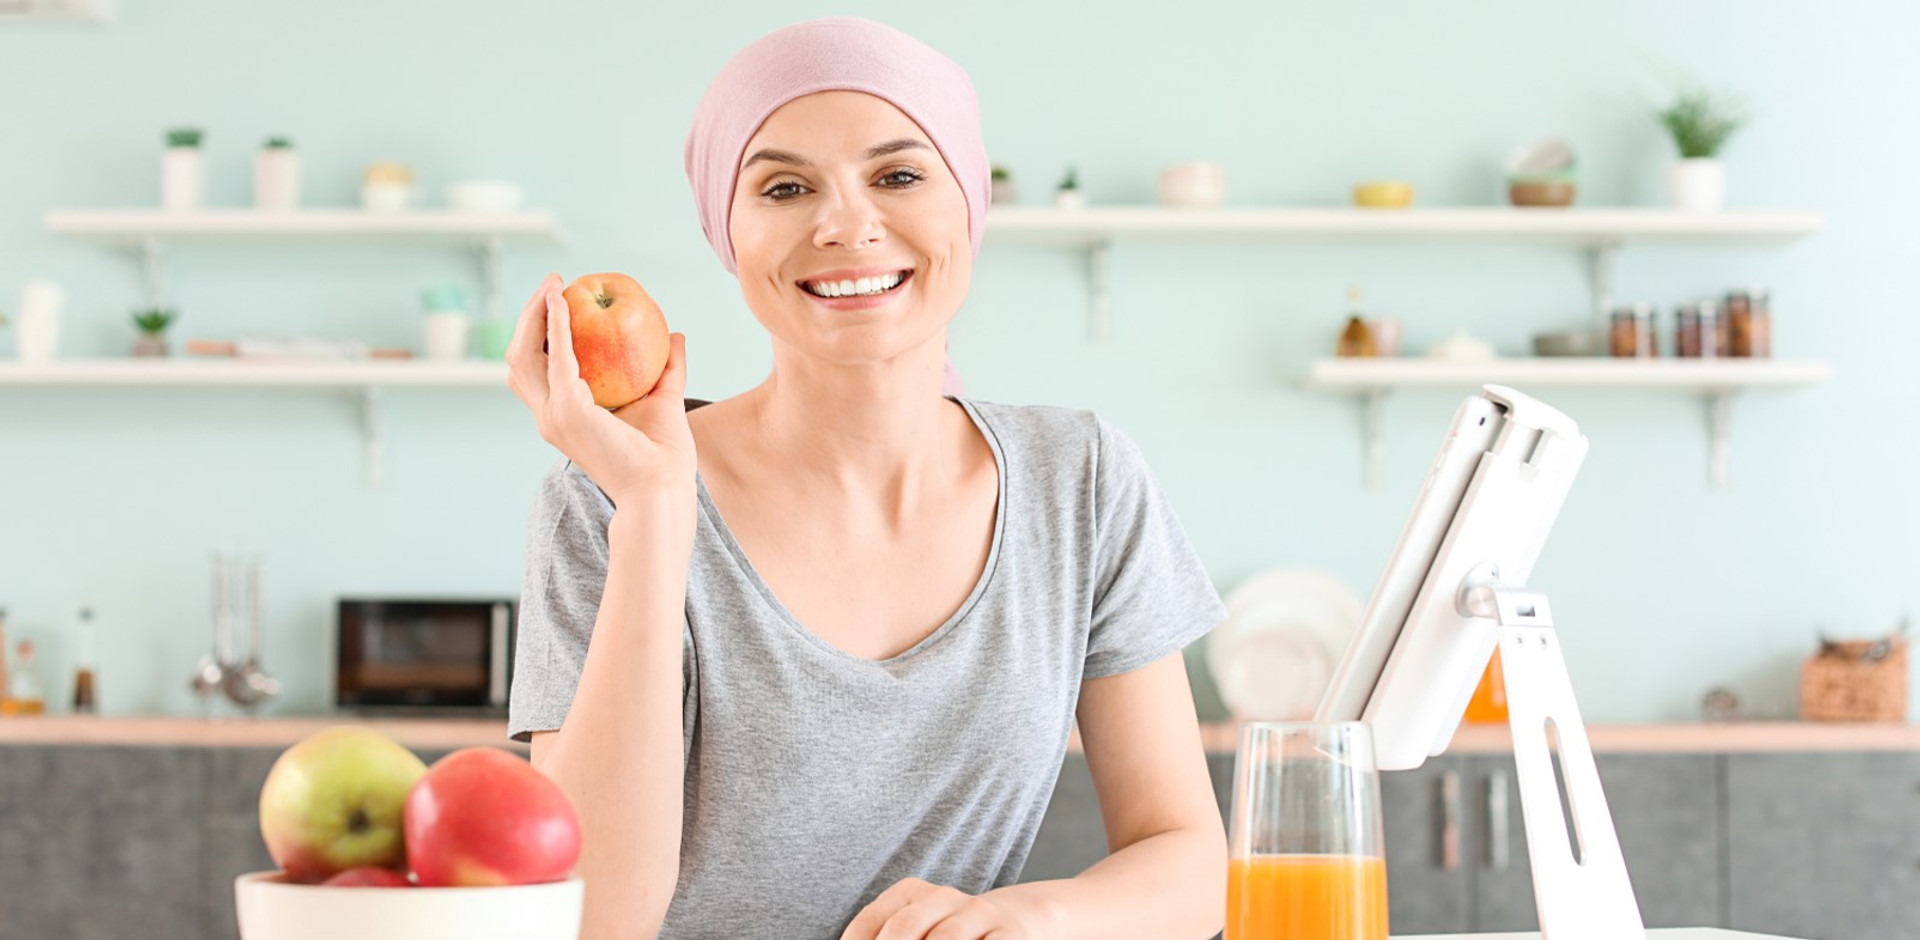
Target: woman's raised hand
638,452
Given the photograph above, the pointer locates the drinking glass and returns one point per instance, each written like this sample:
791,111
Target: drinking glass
1306,859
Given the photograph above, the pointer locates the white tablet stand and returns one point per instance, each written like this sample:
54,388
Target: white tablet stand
1453,589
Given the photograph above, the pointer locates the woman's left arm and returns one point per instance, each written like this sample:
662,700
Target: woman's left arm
1166,871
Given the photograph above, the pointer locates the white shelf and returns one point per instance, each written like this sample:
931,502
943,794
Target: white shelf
1717,381
227,373
1600,232
1595,227
134,226
1703,375
364,380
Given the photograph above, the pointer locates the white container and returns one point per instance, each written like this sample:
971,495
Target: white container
37,329
1698,184
183,179
1069,199
386,197
486,196
276,179
1200,185
447,333
270,908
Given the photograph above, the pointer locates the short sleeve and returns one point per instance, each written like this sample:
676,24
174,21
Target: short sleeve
1151,595
566,574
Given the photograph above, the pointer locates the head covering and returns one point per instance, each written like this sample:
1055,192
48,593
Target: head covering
836,54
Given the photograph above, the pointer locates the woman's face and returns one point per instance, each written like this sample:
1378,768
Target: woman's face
841,186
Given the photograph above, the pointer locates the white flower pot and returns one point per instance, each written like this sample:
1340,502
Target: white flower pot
1698,184
276,179
183,179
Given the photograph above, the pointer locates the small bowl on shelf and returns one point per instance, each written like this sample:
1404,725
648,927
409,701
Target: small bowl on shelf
1568,343
270,907
1383,194
1555,193
486,196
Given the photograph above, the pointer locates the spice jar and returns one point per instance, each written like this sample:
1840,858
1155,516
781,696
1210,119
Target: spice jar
1749,323
1631,333
1696,331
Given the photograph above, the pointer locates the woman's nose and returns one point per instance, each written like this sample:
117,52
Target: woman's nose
847,221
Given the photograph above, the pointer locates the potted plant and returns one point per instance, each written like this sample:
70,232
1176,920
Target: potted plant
183,171
1002,192
276,176
1068,194
1700,122
153,324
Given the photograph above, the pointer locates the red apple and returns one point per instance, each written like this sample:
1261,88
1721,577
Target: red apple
619,336
334,802
482,816
367,876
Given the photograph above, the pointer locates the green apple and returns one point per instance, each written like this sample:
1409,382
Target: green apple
335,800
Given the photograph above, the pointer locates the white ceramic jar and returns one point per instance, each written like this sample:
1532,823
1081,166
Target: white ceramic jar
276,177
183,179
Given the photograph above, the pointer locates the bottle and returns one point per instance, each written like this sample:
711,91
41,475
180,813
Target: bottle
1357,339
23,687
84,647
1489,703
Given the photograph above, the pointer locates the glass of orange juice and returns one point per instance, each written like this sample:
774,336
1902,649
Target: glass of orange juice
1306,859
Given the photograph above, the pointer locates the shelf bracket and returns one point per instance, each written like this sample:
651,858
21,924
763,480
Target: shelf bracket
1100,291
153,274
1373,423
1720,430
490,277
373,433
1603,260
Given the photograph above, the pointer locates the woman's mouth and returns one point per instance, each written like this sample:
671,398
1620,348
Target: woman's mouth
853,291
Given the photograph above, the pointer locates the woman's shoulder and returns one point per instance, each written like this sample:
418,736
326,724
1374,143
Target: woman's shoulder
566,489
1078,436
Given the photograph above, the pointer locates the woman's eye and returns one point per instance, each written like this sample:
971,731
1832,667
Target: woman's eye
910,177
897,179
781,191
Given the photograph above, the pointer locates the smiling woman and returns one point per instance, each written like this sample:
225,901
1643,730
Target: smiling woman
887,605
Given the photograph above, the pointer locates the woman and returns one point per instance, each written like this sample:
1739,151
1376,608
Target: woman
865,615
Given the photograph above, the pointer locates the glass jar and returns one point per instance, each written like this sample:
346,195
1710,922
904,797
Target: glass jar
1630,335
1749,323
1696,330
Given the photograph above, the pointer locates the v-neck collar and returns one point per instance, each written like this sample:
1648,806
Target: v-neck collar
786,616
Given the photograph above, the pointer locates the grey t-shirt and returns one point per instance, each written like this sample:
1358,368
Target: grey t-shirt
815,779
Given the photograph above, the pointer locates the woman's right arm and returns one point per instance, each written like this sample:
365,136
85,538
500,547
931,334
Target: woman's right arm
619,753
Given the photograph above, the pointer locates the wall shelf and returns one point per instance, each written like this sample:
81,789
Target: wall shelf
1600,232
146,232
363,381
1716,381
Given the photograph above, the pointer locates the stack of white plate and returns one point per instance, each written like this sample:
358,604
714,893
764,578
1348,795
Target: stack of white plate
1274,654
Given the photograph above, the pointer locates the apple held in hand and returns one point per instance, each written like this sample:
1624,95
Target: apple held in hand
619,336
483,817
335,800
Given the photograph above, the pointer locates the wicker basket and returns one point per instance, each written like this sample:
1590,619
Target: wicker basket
1856,680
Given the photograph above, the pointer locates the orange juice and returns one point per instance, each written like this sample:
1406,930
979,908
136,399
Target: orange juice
1489,703
1307,897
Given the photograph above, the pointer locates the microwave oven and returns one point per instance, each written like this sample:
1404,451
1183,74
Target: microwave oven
424,656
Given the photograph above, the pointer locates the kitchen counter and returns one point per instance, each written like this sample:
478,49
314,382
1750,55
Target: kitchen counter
1726,738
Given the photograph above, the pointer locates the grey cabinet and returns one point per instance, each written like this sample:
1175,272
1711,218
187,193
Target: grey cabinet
1824,846
1668,815
1428,868
100,843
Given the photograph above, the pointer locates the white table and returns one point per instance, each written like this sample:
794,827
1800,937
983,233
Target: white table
1657,933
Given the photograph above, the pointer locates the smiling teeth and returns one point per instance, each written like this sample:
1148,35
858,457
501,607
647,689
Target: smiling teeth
865,286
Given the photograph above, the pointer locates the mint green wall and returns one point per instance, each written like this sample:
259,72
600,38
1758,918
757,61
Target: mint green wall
1663,587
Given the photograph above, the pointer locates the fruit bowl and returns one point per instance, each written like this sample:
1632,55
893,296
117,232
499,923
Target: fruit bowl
272,908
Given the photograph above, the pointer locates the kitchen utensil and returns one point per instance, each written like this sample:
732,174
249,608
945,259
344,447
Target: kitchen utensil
209,677
249,683
1274,654
1306,854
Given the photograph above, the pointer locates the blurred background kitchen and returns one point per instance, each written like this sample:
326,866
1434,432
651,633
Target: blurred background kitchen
1731,514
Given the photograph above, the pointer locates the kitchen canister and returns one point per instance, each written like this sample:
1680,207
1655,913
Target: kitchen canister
183,171
448,323
1200,185
37,334
386,187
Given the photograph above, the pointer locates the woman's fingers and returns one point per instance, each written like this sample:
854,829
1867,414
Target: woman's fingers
673,382
563,370
526,362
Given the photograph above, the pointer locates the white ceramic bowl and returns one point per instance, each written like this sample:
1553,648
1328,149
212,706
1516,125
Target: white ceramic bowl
272,908
486,195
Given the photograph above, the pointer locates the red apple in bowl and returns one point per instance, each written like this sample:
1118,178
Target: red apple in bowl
334,801
482,816
366,876
619,337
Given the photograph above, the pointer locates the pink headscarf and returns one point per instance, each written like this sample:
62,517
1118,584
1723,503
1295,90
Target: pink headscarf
843,53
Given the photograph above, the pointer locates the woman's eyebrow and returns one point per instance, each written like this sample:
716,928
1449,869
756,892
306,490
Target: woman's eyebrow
874,152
